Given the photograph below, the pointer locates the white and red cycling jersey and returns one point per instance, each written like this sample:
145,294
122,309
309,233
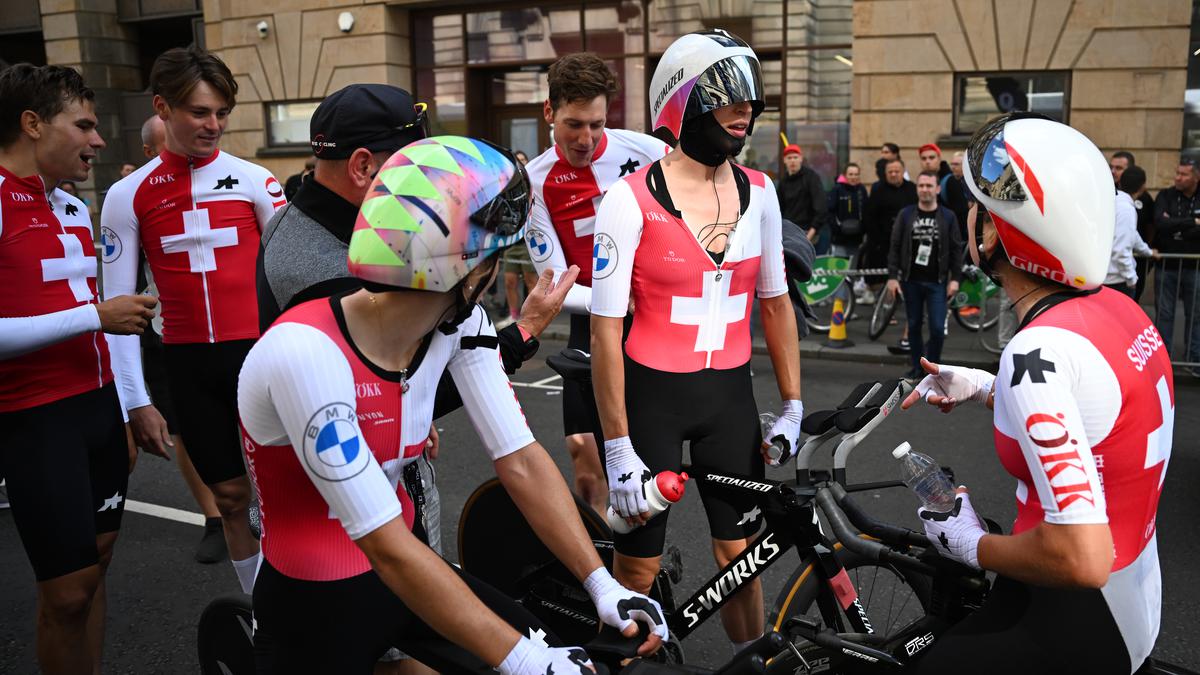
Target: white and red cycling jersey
691,313
198,220
1084,413
52,345
327,434
565,201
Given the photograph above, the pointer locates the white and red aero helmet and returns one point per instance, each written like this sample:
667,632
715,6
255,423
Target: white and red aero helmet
701,72
1050,193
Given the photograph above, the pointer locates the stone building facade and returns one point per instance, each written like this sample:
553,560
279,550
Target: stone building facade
842,76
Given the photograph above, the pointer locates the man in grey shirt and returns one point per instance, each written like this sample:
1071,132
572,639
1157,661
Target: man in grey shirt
304,247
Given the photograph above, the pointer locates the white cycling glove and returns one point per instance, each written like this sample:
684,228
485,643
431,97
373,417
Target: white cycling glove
529,658
956,533
627,476
957,384
619,607
786,431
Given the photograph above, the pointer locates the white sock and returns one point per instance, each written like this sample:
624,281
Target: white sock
246,571
739,646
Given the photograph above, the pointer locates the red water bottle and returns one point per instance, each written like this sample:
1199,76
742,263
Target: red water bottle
663,491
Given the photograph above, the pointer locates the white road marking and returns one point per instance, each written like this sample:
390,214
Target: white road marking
536,385
178,515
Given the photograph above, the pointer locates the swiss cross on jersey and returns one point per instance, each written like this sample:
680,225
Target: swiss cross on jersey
683,298
199,226
571,195
47,264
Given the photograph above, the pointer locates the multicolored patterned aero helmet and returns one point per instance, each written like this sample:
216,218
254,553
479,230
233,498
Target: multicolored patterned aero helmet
438,208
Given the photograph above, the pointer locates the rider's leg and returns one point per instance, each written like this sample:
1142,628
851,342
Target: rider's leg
636,573
742,616
95,621
590,483
233,501
64,605
200,492
511,279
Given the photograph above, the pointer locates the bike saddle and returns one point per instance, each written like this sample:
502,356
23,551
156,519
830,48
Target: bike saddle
852,420
572,364
820,421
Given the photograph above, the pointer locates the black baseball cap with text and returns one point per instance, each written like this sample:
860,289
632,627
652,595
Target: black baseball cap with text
378,117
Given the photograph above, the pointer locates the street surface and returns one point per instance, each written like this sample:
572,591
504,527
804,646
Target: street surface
156,591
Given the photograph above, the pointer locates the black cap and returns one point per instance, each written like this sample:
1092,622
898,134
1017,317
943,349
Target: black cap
378,117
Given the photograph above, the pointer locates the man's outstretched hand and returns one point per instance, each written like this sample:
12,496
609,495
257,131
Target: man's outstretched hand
545,300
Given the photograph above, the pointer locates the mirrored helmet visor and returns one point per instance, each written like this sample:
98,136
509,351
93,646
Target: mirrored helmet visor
732,80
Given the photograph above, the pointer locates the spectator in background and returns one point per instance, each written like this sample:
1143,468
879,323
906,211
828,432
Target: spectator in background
1144,203
69,187
1121,160
154,134
127,168
521,157
845,206
925,258
953,193
802,197
888,153
931,160
296,180
1177,230
1122,272
887,198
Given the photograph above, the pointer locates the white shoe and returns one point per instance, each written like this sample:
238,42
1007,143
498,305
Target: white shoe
867,297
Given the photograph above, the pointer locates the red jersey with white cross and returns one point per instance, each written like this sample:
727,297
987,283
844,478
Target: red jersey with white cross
565,198
327,434
1084,414
198,220
47,264
691,313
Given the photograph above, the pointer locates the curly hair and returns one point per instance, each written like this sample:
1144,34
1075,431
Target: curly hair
44,90
579,78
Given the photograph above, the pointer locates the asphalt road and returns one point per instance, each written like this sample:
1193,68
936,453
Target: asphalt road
156,591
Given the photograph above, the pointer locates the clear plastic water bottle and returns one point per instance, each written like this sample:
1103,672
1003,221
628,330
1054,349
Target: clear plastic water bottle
664,490
925,477
774,448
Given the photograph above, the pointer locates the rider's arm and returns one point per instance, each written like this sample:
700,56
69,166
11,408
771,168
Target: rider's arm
774,304
1036,408
265,203
540,232
435,593
23,334
120,278
620,219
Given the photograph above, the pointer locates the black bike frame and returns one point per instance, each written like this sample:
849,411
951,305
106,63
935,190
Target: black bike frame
790,513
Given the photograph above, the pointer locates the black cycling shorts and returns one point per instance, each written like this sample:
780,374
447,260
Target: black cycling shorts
714,411
345,626
67,466
1033,631
578,401
154,370
203,378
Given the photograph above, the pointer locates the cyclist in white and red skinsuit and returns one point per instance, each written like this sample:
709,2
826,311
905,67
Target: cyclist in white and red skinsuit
197,214
569,180
338,396
691,240
1084,414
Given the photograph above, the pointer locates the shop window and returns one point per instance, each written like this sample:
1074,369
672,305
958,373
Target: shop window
438,40
287,123
444,91
979,97
1191,97
529,34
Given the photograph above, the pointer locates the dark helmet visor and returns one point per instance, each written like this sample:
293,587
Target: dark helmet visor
728,81
507,212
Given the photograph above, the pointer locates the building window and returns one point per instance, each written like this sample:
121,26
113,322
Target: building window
981,96
1191,97
287,123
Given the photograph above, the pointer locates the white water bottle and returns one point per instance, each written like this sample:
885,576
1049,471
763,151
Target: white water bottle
925,477
664,490
775,448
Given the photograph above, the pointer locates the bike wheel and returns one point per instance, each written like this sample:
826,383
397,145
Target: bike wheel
893,598
881,316
824,309
225,636
978,317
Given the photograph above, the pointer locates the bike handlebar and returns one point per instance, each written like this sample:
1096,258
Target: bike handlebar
871,549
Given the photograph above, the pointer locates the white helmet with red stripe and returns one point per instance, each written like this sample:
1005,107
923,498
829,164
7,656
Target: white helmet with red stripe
701,72
1050,194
